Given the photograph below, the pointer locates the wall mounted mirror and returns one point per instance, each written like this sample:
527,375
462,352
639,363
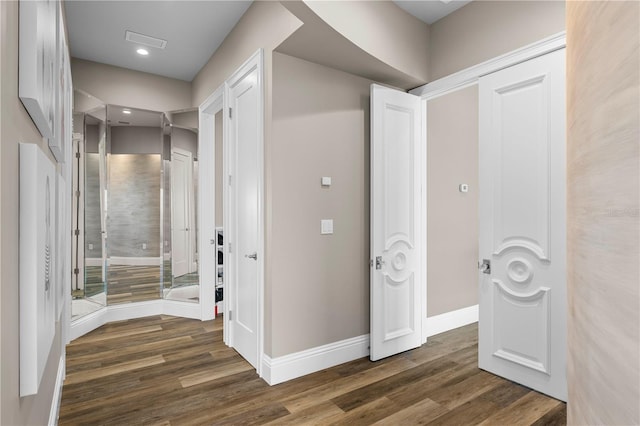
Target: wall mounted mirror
136,216
89,279
180,165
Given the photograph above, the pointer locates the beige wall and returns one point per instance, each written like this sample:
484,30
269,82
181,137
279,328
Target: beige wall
264,25
16,126
482,30
603,97
319,283
452,228
120,86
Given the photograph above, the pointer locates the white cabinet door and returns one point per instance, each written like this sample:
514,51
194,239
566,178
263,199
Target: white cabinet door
395,224
522,330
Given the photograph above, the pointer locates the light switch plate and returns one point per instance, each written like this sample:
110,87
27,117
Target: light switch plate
326,180
463,187
326,226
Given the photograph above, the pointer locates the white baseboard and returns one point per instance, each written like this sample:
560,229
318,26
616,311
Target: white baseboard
126,311
93,261
57,393
450,320
281,369
177,308
135,261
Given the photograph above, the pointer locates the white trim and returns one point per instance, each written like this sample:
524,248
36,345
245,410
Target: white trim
181,309
287,367
93,261
423,220
451,320
127,311
57,392
207,201
469,76
132,261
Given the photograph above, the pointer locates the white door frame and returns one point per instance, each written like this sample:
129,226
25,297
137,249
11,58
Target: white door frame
460,80
207,202
219,100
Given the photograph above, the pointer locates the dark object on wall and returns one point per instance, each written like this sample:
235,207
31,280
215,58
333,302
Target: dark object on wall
219,295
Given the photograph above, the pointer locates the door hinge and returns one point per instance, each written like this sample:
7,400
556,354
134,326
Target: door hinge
76,232
76,271
229,180
77,155
230,313
230,113
230,250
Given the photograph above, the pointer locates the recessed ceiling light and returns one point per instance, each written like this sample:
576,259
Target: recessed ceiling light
126,111
143,52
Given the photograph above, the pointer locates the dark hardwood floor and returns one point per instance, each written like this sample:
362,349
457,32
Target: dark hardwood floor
173,371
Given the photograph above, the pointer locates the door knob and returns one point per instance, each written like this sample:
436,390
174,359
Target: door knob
253,256
485,266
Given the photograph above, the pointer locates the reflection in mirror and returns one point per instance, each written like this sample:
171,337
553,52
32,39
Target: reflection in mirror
135,140
89,180
180,220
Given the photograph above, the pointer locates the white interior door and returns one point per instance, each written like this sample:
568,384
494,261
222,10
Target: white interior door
181,246
395,223
522,330
244,200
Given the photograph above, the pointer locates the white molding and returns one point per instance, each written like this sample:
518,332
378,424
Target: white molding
178,308
451,320
57,392
135,261
123,311
93,261
87,323
469,76
423,220
287,367
206,201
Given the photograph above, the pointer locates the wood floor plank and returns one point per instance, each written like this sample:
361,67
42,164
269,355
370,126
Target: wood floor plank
365,394
317,414
164,370
85,376
214,374
346,384
420,413
365,414
524,411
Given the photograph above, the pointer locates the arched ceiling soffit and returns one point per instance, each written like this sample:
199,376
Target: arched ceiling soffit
347,50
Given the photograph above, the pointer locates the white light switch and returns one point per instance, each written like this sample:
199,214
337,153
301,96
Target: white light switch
90,246
463,187
326,226
326,180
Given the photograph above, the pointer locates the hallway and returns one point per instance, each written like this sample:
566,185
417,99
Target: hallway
168,370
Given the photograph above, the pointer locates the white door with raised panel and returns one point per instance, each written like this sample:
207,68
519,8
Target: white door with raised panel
396,320
243,118
522,328
181,210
